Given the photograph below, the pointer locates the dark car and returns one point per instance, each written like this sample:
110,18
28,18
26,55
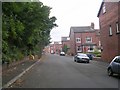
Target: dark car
90,55
114,66
81,57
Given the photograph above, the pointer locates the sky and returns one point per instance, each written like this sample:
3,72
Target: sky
72,13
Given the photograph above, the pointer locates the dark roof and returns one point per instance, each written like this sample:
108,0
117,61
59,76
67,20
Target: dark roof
64,38
82,29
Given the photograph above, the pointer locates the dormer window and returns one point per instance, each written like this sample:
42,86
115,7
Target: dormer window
104,8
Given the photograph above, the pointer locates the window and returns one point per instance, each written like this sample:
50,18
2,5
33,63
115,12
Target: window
78,40
117,60
90,48
79,49
88,39
110,31
117,28
104,8
99,43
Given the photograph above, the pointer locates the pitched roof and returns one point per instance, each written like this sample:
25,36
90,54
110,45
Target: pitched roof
82,29
64,38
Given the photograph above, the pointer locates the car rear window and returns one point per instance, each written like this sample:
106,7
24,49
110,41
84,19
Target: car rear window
83,55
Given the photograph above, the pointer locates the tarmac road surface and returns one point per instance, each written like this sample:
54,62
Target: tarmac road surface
55,71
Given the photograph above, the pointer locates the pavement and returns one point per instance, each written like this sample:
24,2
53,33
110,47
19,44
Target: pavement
11,74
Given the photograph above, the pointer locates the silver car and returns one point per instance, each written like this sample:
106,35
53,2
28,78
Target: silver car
81,57
114,66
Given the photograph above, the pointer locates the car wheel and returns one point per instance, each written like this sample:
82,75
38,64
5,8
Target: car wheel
74,60
110,72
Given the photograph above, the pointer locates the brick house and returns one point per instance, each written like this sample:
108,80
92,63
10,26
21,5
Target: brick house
56,47
109,21
84,39
65,42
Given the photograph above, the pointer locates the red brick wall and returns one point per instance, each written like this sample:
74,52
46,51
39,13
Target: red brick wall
95,39
109,43
77,35
119,29
51,48
72,43
66,43
57,48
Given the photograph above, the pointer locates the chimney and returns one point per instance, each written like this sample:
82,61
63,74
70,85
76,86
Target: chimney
92,25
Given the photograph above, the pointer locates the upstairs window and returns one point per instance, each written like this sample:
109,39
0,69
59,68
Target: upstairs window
110,31
117,28
78,40
104,8
88,39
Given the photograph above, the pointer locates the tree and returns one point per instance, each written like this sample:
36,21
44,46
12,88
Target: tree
65,48
26,29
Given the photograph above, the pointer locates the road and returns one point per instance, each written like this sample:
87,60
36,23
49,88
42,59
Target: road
55,71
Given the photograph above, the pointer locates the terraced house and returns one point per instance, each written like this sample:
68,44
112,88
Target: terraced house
84,39
109,20
55,48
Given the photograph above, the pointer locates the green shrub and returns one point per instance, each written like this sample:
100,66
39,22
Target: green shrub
97,53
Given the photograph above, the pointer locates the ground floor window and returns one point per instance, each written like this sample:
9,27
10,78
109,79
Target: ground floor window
79,49
90,48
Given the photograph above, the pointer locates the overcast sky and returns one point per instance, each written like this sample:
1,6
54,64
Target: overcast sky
72,13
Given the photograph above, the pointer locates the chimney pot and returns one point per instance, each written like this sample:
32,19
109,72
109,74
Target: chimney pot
92,25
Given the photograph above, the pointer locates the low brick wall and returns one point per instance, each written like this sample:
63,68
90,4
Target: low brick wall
99,59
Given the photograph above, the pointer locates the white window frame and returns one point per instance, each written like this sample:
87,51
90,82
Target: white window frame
104,8
110,30
89,41
78,40
99,43
117,27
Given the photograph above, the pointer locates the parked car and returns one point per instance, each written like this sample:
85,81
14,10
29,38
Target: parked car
90,55
114,66
81,57
62,53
